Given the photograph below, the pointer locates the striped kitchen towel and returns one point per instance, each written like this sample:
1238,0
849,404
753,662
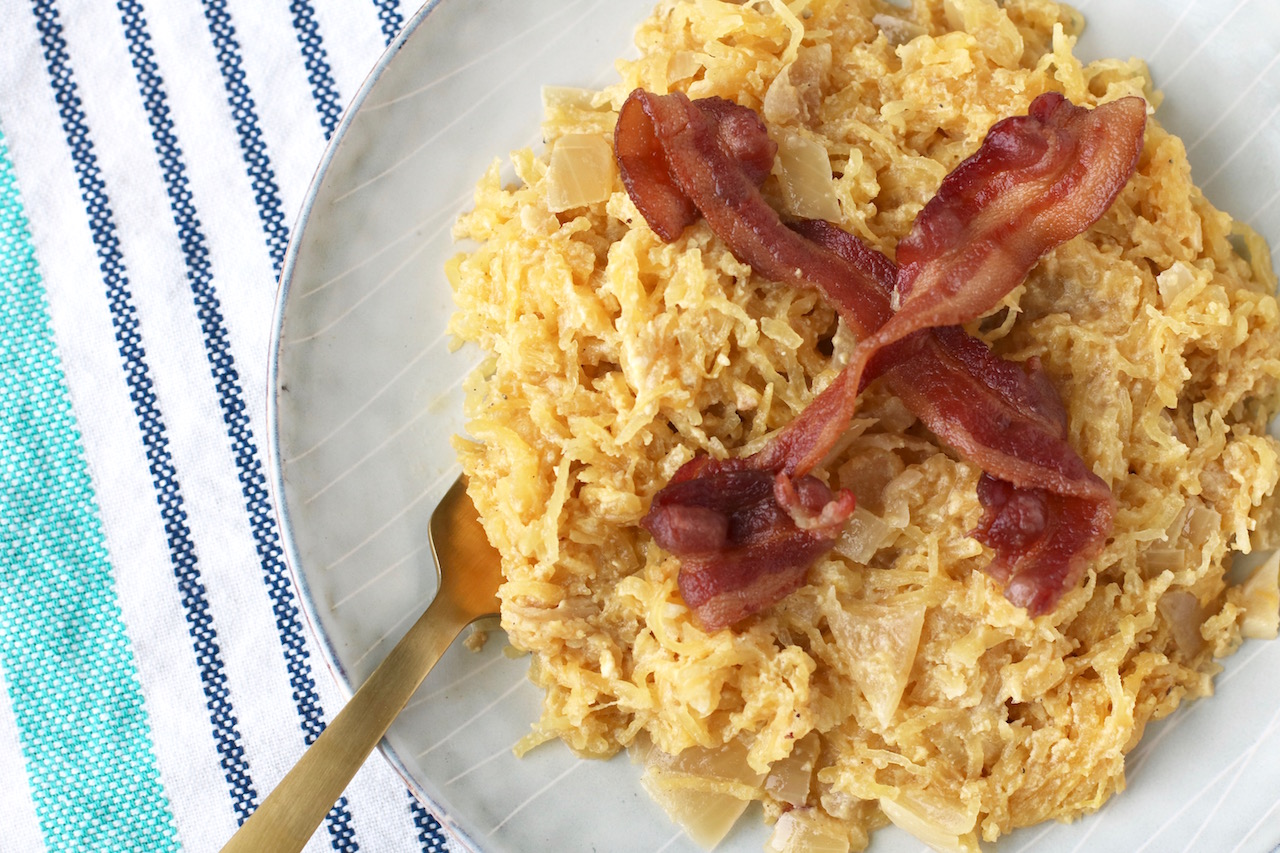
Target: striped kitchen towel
157,676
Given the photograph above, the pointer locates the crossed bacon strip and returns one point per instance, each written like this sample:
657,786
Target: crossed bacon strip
747,529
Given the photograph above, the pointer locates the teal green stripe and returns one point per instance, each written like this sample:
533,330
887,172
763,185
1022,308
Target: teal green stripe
70,669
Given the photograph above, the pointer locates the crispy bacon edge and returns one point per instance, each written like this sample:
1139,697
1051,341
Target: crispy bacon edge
747,530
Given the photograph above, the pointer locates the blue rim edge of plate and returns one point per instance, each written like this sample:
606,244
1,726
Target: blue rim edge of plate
276,480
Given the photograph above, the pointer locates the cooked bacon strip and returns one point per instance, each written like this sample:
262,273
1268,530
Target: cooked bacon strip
744,536
1008,419
1037,181
1042,539
645,174
1005,416
697,165
742,137
739,135
774,544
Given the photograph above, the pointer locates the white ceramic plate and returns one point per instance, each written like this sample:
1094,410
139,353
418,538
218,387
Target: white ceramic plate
366,394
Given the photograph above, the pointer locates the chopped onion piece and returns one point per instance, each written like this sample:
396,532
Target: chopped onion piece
896,30
991,28
879,642
581,171
1175,529
727,763
560,97
841,805
1201,521
683,65
863,535
796,93
705,816
1173,281
943,825
782,104
807,185
807,831
1182,611
1262,601
702,790
1159,559
790,778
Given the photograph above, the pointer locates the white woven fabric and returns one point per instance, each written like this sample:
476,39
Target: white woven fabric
157,676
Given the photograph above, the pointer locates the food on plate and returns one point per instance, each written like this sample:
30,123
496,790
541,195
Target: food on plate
903,673
747,529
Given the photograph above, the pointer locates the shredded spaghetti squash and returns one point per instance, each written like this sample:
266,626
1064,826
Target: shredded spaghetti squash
898,684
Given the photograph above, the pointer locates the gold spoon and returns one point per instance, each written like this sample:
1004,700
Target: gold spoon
469,574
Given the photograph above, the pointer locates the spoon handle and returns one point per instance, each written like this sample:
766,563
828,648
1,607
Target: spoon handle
288,817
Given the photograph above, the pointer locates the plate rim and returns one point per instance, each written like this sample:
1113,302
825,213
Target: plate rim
289,550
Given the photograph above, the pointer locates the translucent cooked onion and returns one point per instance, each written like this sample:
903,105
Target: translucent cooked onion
581,171
944,826
896,30
724,764
560,97
794,95
879,643
683,65
1261,594
807,831
1173,281
790,778
1201,521
1182,611
863,535
990,27
807,184
703,790
705,816
1158,559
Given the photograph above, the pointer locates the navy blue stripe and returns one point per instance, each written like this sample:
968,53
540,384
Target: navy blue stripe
267,195
155,439
389,15
252,144
323,88
430,835
230,398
